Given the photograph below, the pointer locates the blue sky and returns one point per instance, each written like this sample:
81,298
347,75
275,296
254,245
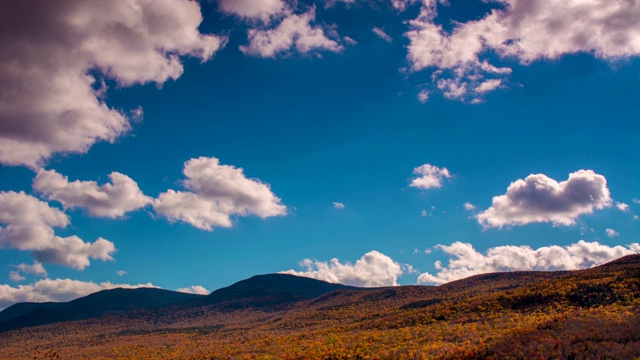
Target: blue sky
412,141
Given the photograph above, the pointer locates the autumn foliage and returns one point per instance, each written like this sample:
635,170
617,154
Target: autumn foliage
587,314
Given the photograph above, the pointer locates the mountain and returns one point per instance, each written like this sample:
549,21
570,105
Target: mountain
273,291
583,314
94,305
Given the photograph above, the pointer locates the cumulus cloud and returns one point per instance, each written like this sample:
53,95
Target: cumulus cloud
622,206
612,233
195,289
466,261
58,290
29,225
382,35
121,273
16,277
36,269
294,32
539,198
217,192
429,176
110,200
423,96
522,30
374,269
469,206
338,205
51,101
254,9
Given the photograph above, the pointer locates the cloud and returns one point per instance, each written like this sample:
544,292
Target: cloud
423,96
374,269
539,198
622,206
15,277
466,261
612,233
523,30
383,35
196,289
110,200
294,32
36,269
469,206
58,290
217,192
338,205
29,226
264,10
121,273
636,201
52,101
429,176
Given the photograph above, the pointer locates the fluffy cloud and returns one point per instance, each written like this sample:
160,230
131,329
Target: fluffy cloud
374,269
29,226
295,31
51,101
469,206
466,261
36,269
110,200
612,233
524,30
57,290
196,289
622,206
383,35
338,205
429,176
217,192
253,9
16,277
539,198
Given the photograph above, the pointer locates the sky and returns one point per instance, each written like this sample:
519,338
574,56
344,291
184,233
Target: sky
189,145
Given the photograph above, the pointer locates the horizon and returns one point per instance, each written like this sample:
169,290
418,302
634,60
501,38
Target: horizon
363,142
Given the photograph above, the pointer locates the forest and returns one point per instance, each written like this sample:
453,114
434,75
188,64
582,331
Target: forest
584,314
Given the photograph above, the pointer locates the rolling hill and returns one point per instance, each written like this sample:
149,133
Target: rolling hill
584,314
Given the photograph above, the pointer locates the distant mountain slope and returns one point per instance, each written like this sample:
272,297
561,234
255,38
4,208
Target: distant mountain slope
93,305
270,290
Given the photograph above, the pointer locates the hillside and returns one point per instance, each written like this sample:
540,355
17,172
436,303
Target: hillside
94,305
585,314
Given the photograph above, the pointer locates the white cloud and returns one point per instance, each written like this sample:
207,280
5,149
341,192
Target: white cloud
195,289
217,192
16,277
383,35
469,206
50,103
466,261
121,273
612,233
539,198
636,201
423,96
58,290
374,269
295,31
29,226
110,200
36,269
264,10
622,206
429,176
524,30
338,205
